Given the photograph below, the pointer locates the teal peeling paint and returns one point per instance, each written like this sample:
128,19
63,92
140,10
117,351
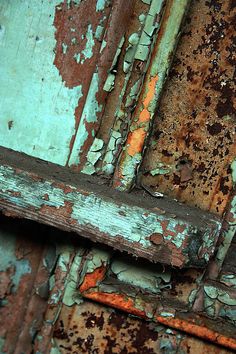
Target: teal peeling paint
228,233
130,51
108,166
104,215
149,279
233,171
142,18
100,6
159,67
132,96
94,154
99,32
167,314
150,26
64,48
89,115
8,259
103,45
167,46
220,301
71,295
88,51
77,58
110,83
161,169
32,92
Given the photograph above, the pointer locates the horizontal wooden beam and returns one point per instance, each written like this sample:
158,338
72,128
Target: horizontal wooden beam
161,230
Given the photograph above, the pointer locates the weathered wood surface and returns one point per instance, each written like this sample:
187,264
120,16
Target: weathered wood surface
158,229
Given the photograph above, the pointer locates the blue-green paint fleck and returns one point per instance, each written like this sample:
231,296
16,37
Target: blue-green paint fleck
103,45
233,171
100,6
88,50
77,58
94,154
99,32
64,48
90,211
146,278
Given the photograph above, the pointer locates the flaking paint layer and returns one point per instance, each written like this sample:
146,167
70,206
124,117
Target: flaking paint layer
33,95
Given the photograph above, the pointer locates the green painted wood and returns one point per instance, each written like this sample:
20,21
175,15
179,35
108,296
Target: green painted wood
160,230
34,100
49,51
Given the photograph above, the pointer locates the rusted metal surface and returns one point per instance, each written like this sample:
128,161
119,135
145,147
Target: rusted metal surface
193,142
190,157
58,302
149,295
91,328
26,264
130,159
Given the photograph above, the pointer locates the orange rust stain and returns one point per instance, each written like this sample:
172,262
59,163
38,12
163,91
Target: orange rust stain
136,138
135,141
199,331
126,304
91,279
63,211
118,301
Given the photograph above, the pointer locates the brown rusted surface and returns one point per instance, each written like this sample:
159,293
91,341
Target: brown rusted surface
92,328
188,159
171,305
24,285
194,134
71,27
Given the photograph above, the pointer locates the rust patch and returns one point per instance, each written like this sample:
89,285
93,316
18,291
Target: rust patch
91,280
157,239
194,131
71,27
117,301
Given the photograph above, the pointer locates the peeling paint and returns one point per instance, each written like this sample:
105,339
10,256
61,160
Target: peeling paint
220,302
93,156
110,81
136,275
71,295
45,101
152,89
89,116
20,267
161,169
88,50
233,169
100,6
184,238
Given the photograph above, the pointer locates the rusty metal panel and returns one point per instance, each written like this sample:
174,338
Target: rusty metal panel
193,142
101,70
53,291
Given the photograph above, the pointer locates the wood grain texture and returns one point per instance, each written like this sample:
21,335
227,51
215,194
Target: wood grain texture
158,229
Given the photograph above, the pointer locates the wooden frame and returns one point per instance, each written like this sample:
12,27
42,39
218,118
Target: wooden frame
158,229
